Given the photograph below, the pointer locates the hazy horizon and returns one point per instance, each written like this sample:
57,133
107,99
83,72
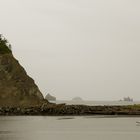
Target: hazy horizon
86,48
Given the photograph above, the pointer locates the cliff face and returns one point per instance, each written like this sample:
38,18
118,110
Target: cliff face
16,87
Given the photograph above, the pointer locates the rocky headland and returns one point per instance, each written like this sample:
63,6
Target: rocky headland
16,87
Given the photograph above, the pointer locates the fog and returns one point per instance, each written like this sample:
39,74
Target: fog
86,48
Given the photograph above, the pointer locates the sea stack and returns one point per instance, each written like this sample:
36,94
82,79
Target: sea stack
16,87
77,99
50,97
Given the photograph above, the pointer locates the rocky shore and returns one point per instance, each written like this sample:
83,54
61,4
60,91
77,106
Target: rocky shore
63,110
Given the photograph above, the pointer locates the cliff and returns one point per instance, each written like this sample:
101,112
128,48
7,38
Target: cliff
16,87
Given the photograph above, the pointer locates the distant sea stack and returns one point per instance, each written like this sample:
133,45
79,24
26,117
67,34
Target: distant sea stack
128,99
50,97
16,87
77,99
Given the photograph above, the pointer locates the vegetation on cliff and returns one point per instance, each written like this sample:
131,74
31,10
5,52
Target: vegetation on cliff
5,47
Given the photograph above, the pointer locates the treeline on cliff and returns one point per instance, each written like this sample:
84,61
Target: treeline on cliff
5,47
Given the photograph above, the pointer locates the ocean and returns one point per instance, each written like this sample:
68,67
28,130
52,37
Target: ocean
69,128
94,103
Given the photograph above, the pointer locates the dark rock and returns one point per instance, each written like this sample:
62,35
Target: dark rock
16,87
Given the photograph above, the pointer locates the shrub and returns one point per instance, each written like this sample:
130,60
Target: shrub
5,47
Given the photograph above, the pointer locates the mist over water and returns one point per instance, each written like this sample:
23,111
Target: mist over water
86,48
75,48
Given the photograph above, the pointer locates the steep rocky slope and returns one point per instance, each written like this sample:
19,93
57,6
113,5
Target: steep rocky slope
16,87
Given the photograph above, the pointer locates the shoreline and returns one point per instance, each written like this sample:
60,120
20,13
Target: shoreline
71,110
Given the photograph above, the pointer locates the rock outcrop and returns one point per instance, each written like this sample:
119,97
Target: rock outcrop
16,87
50,97
69,110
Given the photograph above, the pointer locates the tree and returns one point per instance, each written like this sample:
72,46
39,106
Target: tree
5,47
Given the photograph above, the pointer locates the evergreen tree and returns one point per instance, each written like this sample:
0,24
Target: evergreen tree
5,47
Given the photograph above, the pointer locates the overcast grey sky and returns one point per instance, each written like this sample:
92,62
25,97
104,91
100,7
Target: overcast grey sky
87,48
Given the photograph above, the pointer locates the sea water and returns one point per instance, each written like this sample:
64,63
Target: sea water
69,128
94,103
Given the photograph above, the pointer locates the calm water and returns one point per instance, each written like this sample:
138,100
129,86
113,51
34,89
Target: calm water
97,102
69,128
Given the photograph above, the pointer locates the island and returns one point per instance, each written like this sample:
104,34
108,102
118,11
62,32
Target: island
128,99
77,99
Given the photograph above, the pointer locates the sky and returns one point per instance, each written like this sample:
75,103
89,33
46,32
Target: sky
86,48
